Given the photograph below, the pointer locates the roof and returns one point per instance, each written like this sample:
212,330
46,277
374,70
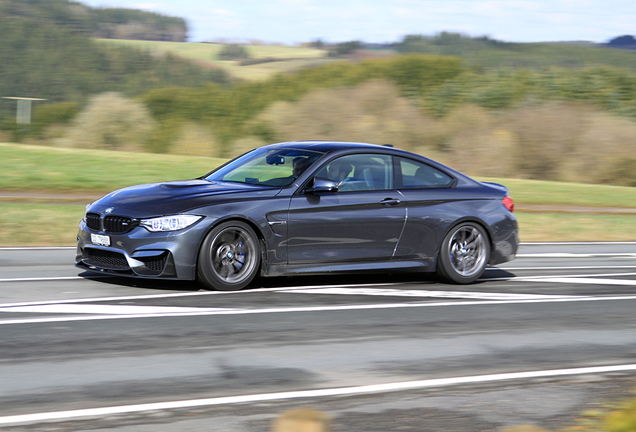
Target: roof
325,146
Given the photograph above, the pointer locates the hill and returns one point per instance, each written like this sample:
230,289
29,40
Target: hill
47,52
479,53
486,53
98,22
266,60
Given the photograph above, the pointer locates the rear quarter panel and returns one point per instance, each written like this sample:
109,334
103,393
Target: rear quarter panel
433,212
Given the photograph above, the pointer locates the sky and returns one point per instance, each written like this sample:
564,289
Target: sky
377,21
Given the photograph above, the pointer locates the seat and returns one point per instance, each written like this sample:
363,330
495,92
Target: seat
368,178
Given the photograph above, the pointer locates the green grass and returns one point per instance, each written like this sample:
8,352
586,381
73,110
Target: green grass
55,169
73,171
575,227
528,192
39,224
52,169
206,54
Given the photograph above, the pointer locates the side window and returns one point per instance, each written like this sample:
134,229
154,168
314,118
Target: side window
365,172
417,175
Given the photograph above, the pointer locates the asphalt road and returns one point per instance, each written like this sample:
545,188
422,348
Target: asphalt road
538,340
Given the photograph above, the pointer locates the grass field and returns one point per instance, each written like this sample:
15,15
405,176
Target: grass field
511,55
50,170
53,169
206,54
551,193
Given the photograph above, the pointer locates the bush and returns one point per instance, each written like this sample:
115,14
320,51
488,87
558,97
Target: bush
111,122
371,112
478,143
546,137
621,172
48,115
195,140
243,145
344,48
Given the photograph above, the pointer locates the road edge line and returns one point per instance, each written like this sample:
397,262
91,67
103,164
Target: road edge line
339,391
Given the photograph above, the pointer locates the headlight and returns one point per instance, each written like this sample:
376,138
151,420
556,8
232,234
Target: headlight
169,223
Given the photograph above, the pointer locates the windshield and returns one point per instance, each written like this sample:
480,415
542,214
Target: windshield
266,167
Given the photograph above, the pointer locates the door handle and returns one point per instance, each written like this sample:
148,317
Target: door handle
390,201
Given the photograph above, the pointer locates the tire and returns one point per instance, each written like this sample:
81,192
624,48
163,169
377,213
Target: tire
464,254
229,258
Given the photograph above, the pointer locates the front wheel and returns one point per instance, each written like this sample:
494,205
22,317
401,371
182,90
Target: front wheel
229,258
464,254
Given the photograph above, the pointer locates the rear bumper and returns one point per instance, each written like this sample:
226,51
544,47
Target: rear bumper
505,241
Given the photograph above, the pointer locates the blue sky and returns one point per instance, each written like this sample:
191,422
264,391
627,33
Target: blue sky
294,21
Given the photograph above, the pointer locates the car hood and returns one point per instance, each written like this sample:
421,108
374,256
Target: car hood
176,197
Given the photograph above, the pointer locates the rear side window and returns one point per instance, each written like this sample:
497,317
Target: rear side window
418,175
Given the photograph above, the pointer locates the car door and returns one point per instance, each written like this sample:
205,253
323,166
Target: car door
432,205
362,221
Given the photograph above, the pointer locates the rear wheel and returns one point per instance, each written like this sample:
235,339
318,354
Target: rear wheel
464,254
230,257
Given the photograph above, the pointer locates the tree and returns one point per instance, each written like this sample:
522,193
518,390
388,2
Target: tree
233,52
626,41
344,48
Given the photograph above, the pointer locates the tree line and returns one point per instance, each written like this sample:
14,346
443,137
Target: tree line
46,52
78,18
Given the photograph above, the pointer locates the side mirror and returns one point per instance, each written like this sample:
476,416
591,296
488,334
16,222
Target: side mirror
321,184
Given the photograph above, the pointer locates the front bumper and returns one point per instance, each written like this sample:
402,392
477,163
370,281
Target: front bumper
140,253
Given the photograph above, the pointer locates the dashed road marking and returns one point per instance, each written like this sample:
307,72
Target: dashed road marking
425,293
546,277
587,280
577,255
106,309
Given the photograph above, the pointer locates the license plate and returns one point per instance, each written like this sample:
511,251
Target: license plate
101,240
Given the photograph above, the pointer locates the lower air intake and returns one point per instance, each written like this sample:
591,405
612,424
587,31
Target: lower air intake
106,259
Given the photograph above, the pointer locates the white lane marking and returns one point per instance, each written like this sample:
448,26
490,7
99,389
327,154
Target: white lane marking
576,255
425,293
339,391
181,294
579,243
40,279
585,280
27,248
538,278
560,268
317,309
105,309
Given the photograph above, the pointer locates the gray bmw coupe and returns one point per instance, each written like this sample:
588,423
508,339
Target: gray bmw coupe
309,207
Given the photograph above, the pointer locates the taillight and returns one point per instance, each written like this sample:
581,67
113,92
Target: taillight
509,204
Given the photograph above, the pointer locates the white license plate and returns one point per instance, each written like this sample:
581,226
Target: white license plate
101,240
